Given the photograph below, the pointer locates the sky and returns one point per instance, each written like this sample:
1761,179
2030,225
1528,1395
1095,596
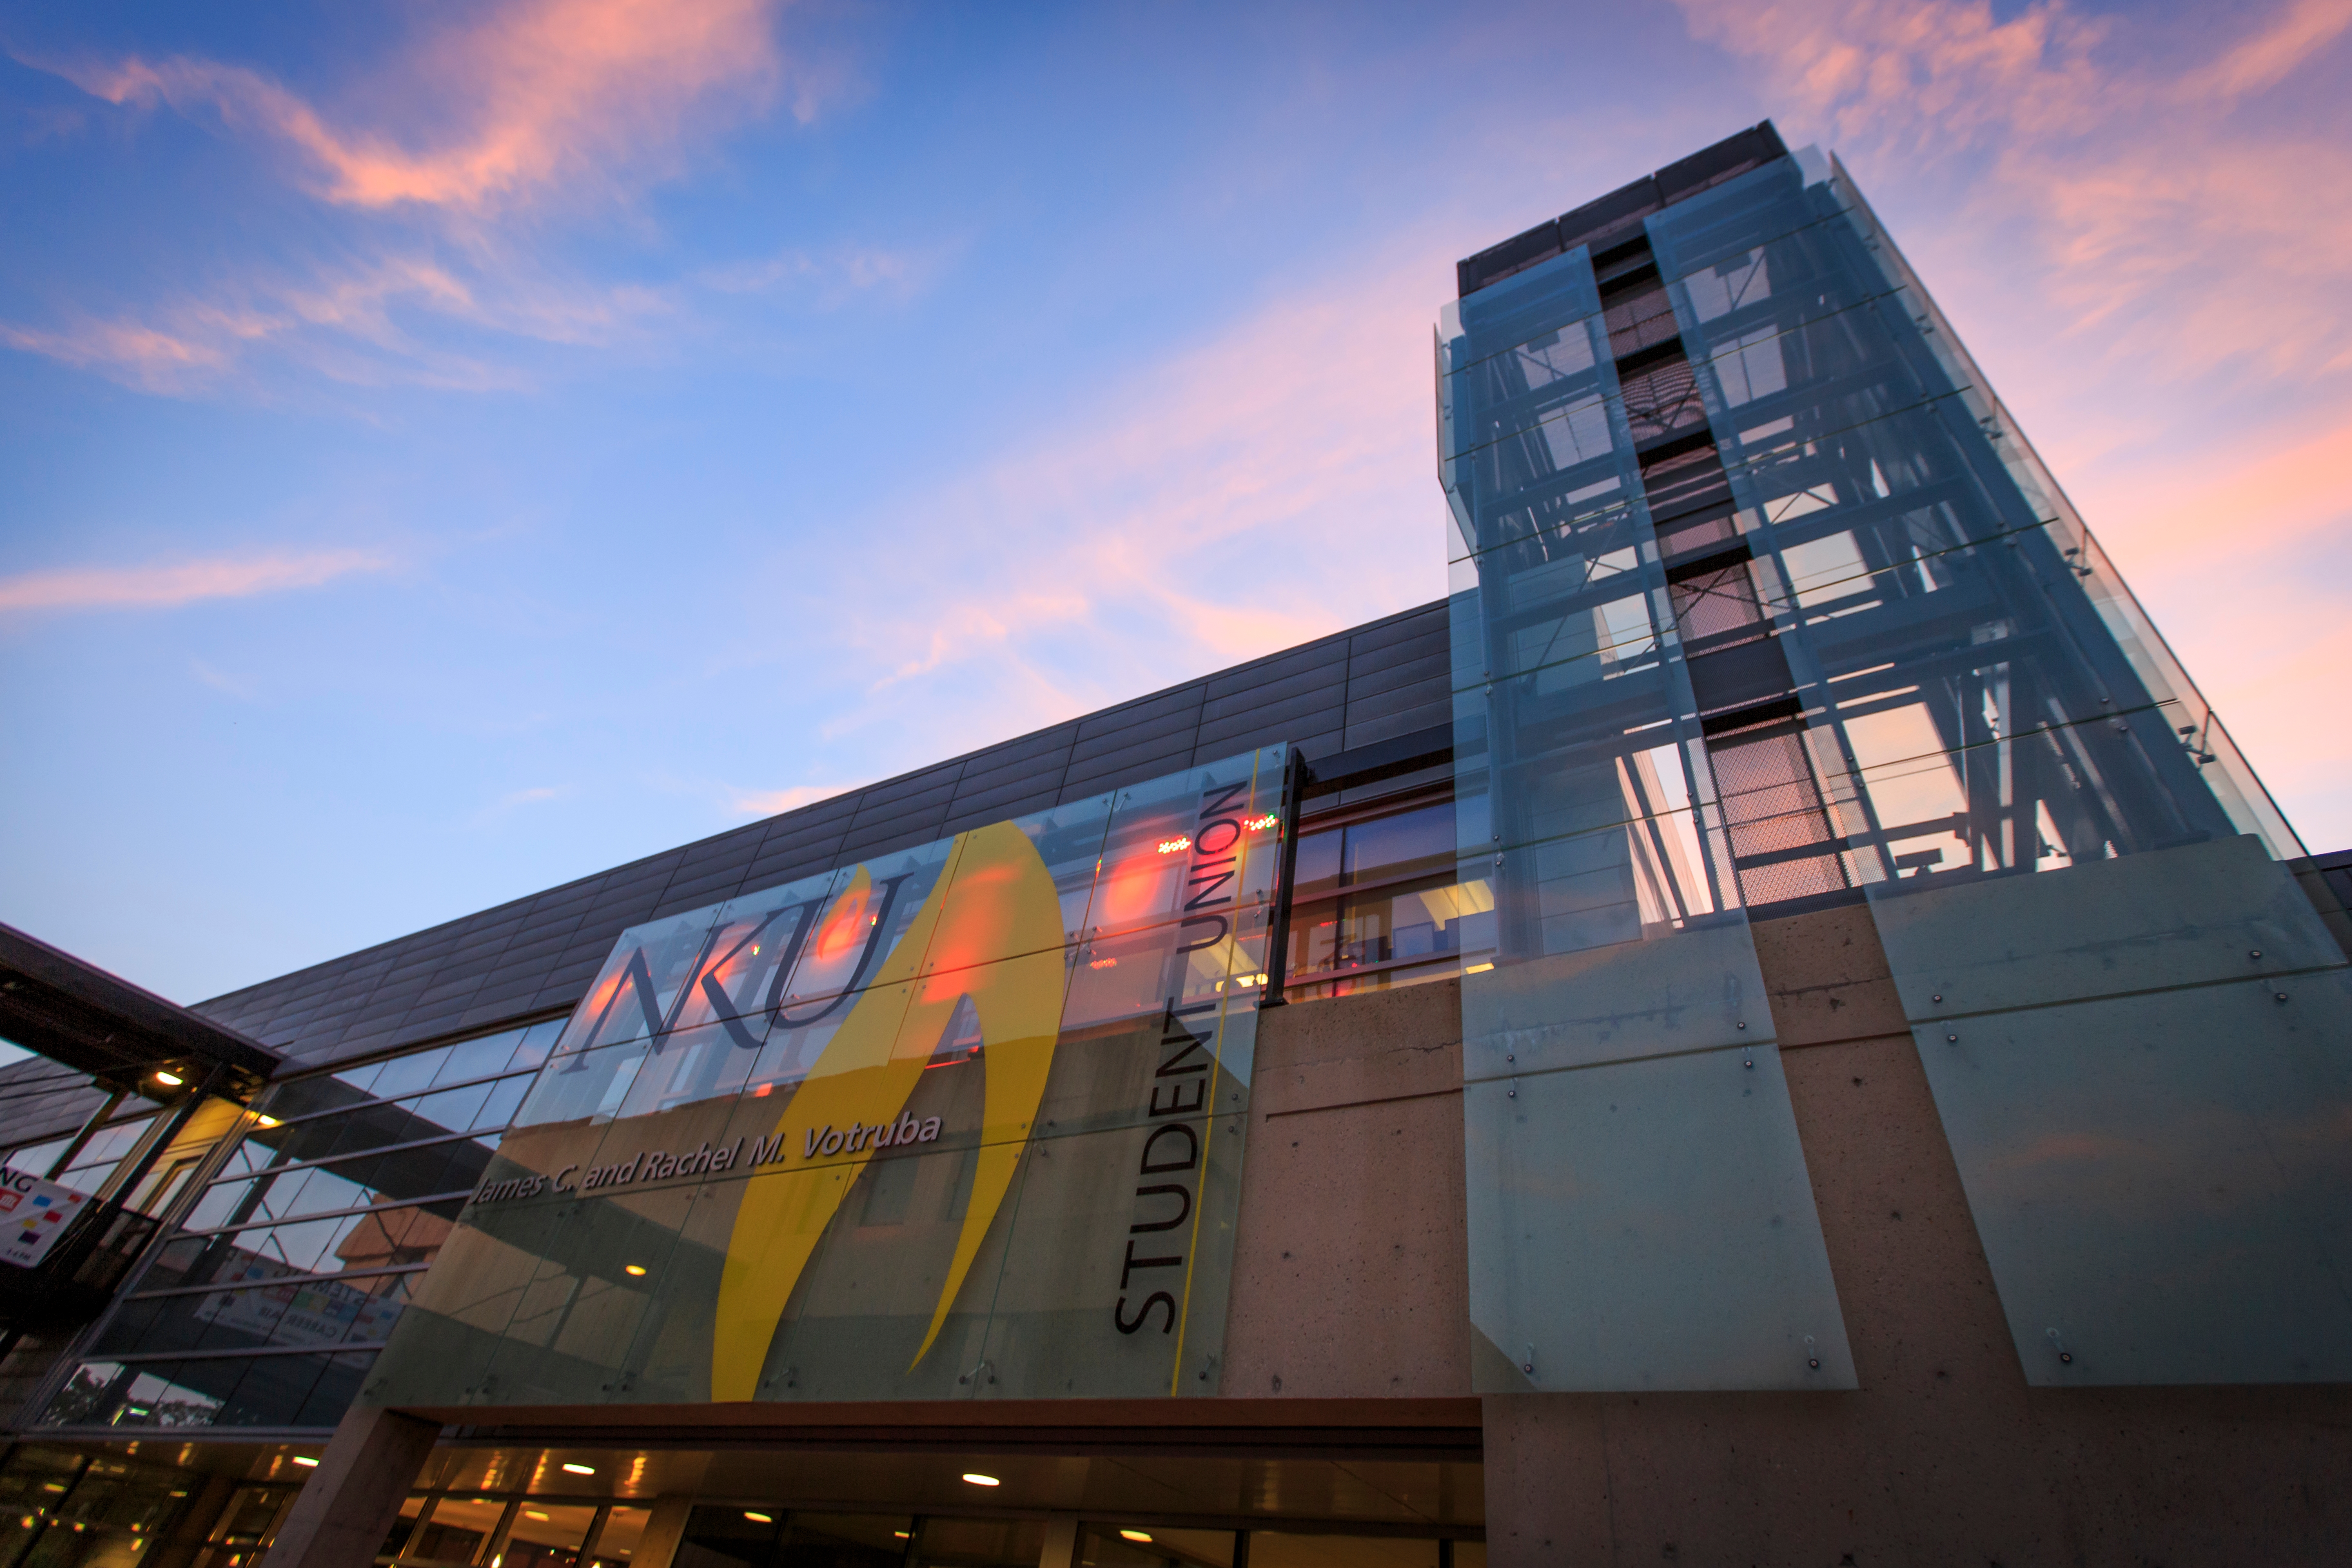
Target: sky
450,448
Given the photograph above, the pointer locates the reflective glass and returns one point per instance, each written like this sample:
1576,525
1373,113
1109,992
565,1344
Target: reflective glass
1048,1017
358,1311
1609,934
2074,874
271,1391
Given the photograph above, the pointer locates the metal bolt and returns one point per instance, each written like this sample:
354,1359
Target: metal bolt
1937,997
1952,1039
1741,1026
2254,952
1511,1094
2278,996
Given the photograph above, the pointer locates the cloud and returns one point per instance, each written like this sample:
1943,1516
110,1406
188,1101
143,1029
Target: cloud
2146,256
775,802
536,97
241,689
444,163
164,587
1158,527
2148,201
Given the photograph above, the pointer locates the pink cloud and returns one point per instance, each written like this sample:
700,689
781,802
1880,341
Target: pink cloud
1161,525
2147,259
164,587
537,96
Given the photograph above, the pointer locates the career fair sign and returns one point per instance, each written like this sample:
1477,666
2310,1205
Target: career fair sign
33,1215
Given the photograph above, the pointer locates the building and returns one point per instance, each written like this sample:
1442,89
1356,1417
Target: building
1773,1025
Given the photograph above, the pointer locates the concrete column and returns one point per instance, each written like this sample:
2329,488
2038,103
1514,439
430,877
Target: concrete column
347,1506
665,1532
1061,1544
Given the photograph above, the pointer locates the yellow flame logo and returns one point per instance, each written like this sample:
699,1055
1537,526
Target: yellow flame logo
992,931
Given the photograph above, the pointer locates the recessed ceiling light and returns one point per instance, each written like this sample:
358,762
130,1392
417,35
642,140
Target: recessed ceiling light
571,1469
976,1478
1134,1536
757,1518
169,1078
306,1461
635,1269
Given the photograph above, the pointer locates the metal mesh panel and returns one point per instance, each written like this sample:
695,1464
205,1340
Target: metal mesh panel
1783,842
1663,401
1640,319
1717,608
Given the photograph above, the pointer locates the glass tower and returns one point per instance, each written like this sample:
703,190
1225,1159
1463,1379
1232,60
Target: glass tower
1762,602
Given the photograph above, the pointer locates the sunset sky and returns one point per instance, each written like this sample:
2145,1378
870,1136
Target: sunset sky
449,448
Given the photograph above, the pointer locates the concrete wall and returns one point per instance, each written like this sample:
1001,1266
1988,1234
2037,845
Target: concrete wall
1350,1282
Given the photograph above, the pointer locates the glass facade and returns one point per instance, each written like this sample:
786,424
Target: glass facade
2130,1016
265,1306
1763,600
961,1122
1639,1211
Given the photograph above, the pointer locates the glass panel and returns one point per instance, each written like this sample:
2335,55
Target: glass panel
1607,935
721,1537
618,1541
1630,1258
304,1312
92,1164
456,1529
845,1540
824,1212
2072,871
1132,1547
1269,1549
979,1543
547,1534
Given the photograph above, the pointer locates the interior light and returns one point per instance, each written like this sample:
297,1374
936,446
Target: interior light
306,1461
635,1270
269,1122
1135,1535
169,1078
571,1469
976,1478
1478,969
899,1533
1175,845
759,1518
534,1513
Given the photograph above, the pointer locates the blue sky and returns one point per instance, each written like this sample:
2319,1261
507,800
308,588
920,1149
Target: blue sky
448,450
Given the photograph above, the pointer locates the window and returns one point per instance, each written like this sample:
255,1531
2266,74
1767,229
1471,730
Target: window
289,1267
1375,899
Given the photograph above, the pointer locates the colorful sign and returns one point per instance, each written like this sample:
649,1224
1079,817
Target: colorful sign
33,1215
963,1121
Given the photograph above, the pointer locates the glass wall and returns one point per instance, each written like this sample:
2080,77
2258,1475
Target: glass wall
961,1122
2133,1021
94,1161
1639,1211
264,1307
59,1509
